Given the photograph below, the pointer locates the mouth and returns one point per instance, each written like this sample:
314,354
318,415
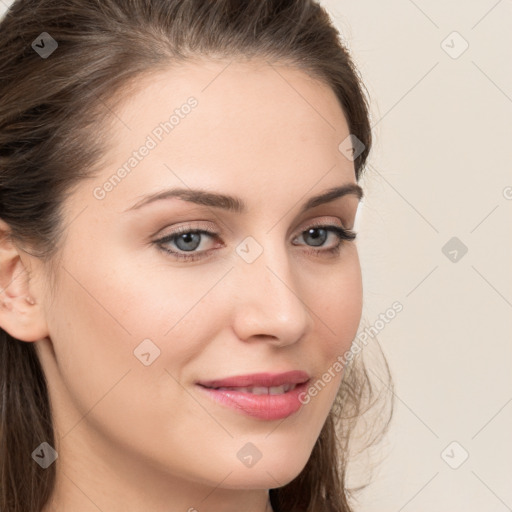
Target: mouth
262,396
258,390
257,381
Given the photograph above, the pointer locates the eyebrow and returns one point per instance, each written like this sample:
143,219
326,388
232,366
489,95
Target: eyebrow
237,205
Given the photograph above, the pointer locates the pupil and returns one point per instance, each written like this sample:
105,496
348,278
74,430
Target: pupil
187,238
315,238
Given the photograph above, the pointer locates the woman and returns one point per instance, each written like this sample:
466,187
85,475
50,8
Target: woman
180,281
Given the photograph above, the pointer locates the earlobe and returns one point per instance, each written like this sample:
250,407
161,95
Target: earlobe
21,314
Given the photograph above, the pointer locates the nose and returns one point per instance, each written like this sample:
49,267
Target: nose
268,301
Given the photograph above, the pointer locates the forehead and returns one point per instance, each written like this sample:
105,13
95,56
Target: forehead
254,125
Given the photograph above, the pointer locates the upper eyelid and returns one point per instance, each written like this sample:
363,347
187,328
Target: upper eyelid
211,231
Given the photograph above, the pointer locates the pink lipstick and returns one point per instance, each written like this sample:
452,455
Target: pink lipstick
263,395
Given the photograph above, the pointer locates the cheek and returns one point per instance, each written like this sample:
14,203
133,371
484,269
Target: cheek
96,327
93,337
338,304
112,319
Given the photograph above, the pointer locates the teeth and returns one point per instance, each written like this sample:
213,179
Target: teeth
261,390
279,390
258,391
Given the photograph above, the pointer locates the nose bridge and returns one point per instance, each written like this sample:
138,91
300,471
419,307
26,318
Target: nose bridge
268,292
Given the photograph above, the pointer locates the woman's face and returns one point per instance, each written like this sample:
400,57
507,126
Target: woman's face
133,328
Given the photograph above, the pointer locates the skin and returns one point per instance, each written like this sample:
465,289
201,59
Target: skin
135,438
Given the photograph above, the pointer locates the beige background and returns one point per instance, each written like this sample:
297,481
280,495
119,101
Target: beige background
440,168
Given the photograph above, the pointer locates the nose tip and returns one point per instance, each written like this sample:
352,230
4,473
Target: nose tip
269,306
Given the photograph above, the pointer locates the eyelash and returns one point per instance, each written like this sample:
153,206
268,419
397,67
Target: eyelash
342,234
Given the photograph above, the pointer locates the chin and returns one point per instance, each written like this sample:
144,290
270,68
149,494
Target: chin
271,471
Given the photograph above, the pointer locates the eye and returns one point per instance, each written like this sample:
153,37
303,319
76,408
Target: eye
319,233
187,240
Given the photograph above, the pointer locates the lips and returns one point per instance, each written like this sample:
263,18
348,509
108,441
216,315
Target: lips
264,396
260,390
258,380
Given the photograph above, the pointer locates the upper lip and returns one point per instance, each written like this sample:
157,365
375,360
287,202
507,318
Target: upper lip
258,379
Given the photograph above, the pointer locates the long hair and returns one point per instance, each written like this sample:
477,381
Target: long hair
53,112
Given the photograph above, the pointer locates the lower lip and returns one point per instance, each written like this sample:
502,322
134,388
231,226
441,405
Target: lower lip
265,407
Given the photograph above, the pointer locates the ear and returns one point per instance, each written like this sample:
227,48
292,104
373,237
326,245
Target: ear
21,312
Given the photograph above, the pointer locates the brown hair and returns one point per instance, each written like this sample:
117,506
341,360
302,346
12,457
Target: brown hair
51,113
